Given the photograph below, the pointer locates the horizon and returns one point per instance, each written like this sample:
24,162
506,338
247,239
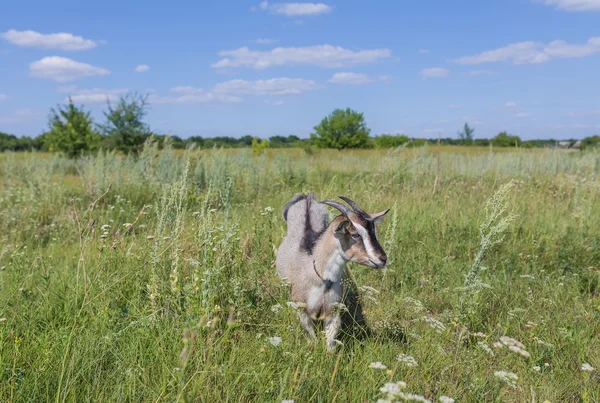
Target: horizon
268,69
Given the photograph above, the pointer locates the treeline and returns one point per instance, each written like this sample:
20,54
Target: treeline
72,131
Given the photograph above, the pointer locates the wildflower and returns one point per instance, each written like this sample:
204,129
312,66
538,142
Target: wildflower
288,401
150,237
105,227
393,388
418,398
520,351
446,399
276,308
338,306
275,340
377,365
497,345
292,305
479,334
485,348
537,368
438,326
530,325
408,360
509,378
587,367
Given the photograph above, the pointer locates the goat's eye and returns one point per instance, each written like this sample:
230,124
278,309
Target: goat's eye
355,236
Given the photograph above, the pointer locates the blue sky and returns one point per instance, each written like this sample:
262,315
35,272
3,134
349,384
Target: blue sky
276,68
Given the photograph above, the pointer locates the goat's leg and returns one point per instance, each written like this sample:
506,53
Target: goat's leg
308,324
332,328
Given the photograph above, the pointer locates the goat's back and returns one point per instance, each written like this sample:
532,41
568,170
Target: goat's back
290,256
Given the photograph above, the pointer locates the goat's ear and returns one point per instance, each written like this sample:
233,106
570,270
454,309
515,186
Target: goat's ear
342,227
378,217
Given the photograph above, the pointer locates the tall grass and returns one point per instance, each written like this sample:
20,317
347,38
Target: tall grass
153,279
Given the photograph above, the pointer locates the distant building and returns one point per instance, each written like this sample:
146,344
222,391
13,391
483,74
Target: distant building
567,145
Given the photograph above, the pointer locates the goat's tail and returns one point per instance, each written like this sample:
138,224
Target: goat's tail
303,213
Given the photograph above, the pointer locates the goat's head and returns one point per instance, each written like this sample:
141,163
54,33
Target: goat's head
356,232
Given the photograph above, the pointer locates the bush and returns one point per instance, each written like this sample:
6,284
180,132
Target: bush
71,131
390,141
341,129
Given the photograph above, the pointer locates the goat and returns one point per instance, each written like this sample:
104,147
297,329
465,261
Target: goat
313,255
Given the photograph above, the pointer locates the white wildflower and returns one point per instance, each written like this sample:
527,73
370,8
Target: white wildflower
393,389
509,341
384,401
407,360
105,227
520,351
497,345
446,399
587,367
128,225
275,340
485,348
377,365
276,308
509,378
479,334
438,326
537,368
417,398
150,237
288,401
368,289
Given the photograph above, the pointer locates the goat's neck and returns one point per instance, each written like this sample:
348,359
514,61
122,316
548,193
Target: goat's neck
329,260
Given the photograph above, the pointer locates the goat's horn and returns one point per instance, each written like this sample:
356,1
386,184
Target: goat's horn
353,205
345,210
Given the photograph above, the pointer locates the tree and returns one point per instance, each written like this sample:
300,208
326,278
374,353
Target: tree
71,131
389,140
342,129
590,142
124,123
259,146
467,133
503,139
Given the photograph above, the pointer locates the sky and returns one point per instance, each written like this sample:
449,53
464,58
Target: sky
232,68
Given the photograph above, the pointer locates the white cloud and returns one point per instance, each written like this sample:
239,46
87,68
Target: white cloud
523,115
62,69
4,97
274,103
574,5
350,78
274,86
21,116
482,73
142,68
320,55
534,52
62,40
455,106
92,95
586,113
295,9
436,72
510,104
424,51
191,95
356,78
264,41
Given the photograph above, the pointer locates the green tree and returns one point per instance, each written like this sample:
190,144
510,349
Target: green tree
389,140
259,146
590,142
124,123
342,129
503,139
71,131
467,133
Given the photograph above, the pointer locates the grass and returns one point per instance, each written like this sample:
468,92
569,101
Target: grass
153,279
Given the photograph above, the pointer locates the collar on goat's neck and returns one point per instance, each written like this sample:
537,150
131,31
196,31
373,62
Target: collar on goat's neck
334,263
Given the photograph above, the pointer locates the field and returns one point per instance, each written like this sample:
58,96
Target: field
153,279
